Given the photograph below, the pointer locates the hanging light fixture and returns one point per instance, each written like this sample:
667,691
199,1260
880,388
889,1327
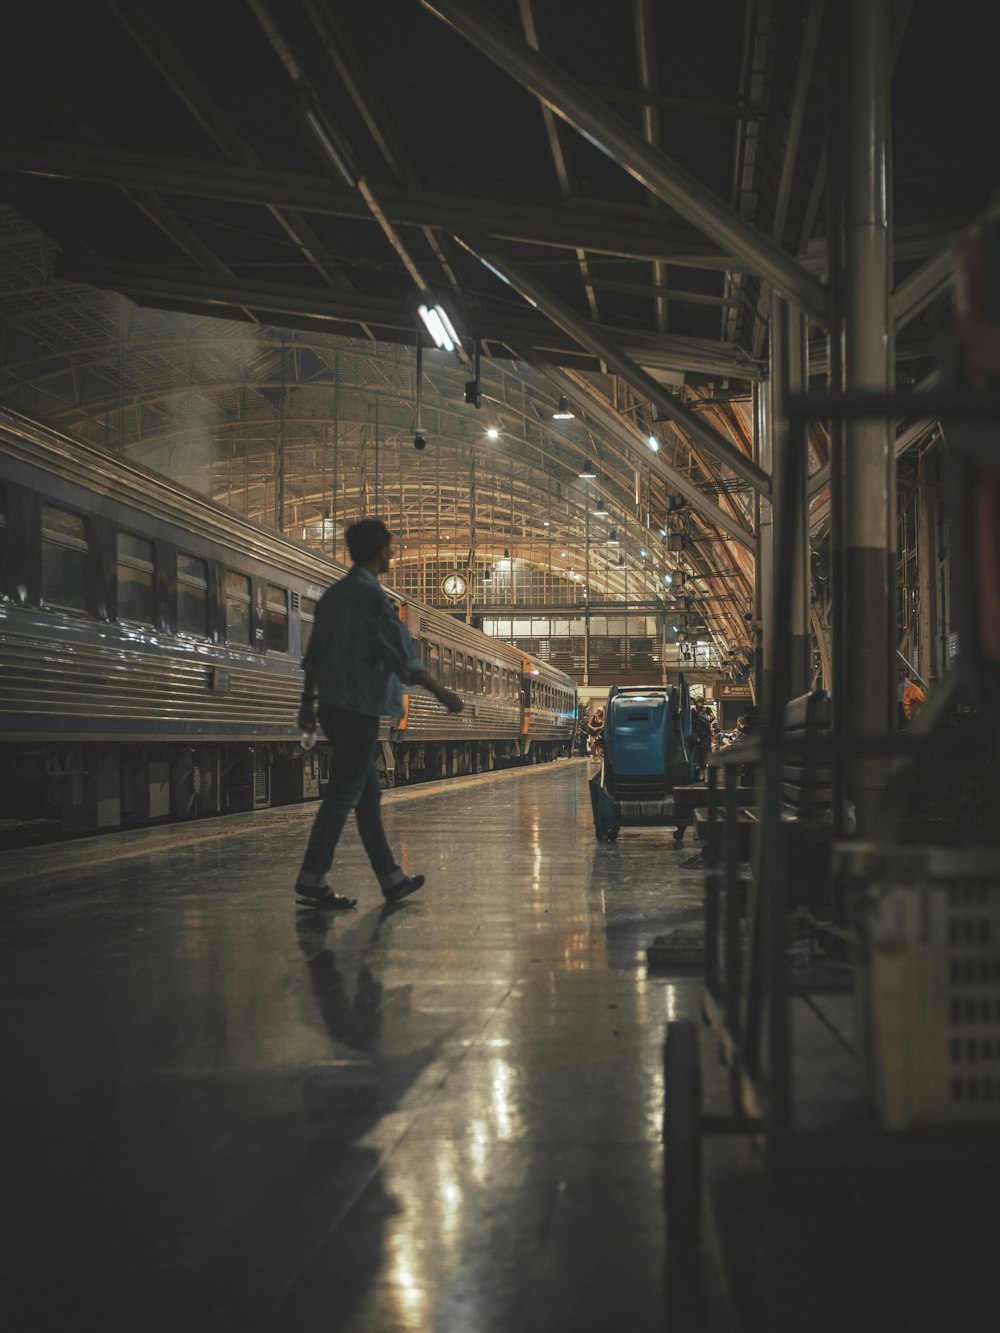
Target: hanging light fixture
563,412
587,472
612,537
439,326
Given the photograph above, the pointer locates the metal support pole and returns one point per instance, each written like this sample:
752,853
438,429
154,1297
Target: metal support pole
865,474
764,564
790,661
586,581
927,563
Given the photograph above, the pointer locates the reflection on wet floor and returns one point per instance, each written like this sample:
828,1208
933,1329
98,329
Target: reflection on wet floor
442,1116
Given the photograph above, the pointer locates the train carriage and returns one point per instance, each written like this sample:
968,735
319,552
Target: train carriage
150,643
549,704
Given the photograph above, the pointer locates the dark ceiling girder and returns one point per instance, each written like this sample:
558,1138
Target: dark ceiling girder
658,172
178,74
200,294
587,335
554,131
613,425
313,309
343,56
599,227
53,108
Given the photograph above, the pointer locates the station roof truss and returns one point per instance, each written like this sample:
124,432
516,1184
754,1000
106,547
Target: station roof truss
220,221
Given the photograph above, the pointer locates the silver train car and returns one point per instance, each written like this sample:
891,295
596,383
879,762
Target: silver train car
150,643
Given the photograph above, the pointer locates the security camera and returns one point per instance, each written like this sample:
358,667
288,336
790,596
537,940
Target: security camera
419,442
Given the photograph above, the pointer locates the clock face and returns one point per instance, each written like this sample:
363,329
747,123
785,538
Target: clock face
454,585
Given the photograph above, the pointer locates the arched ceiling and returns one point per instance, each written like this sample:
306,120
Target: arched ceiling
221,220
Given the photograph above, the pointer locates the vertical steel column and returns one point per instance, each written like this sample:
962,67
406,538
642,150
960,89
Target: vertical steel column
763,610
586,584
927,564
865,474
789,661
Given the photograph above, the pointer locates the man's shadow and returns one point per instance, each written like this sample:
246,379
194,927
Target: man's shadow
355,1021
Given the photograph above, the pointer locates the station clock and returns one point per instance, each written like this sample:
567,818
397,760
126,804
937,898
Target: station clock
454,585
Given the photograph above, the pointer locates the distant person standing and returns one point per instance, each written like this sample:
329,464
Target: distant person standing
595,734
359,654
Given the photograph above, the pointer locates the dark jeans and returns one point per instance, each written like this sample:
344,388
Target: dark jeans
353,786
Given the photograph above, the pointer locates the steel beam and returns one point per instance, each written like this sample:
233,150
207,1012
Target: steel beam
598,226
915,293
181,78
608,351
220,295
639,455
655,170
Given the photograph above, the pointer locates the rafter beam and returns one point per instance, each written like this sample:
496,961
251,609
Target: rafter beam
598,226
665,177
590,337
639,456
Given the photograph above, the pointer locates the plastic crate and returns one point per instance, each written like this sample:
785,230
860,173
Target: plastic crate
927,979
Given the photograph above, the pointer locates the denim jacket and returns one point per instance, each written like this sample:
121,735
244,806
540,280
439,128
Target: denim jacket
360,652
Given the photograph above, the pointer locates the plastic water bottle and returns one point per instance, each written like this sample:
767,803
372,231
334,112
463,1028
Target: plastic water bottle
307,739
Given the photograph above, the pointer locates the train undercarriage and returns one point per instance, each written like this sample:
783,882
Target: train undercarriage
50,791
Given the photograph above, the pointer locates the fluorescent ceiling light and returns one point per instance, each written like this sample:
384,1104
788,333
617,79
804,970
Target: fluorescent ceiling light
493,433
587,472
654,444
563,412
435,325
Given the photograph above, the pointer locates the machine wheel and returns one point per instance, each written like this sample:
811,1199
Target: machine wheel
681,1141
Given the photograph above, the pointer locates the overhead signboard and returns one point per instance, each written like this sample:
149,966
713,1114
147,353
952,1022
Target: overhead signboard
728,689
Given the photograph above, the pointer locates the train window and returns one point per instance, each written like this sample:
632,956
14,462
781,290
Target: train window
479,676
422,650
277,619
135,579
3,540
446,666
434,660
192,595
237,609
496,680
64,559
307,616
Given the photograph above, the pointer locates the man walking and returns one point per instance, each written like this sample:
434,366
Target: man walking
359,654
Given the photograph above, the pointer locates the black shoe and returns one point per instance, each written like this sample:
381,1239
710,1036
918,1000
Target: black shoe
322,898
403,889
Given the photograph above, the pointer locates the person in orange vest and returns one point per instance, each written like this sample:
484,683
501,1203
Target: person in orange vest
910,698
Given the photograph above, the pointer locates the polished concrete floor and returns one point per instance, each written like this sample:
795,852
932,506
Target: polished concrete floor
221,1114
447,1116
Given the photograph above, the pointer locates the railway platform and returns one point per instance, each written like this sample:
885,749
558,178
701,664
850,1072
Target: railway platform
222,1113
